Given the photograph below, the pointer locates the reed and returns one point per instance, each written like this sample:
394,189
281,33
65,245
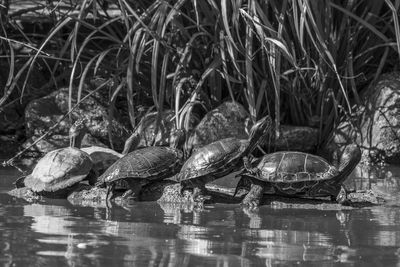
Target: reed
304,62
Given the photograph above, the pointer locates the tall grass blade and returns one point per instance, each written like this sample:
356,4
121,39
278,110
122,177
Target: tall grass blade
396,24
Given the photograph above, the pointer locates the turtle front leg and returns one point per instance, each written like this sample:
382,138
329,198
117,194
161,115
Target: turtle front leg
110,194
253,198
197,194
248,166
133,193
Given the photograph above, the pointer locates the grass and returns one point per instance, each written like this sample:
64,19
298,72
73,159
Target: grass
304,62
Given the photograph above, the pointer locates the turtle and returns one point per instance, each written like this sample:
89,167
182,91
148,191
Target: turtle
57,172
143,166
298,174
218,159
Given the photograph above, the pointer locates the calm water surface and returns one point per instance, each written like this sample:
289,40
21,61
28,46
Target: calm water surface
56,233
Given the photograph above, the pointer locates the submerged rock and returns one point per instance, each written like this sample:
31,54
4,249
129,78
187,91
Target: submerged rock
358,199
167,191
87,195
24,193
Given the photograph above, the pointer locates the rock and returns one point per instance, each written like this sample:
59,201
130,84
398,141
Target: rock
24,193
57,141
11,117
376,126
230,119
101,157
172,194
166,124
43,113
86,195
169,192
165,190
295,138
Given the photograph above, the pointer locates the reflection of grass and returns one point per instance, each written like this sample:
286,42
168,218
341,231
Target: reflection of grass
303,61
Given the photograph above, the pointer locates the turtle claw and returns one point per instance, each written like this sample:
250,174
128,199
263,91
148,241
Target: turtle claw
341,197
254,171
201,198
129,195
251,204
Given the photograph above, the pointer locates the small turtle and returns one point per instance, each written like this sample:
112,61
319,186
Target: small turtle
56,174
218,159
298,174
143,166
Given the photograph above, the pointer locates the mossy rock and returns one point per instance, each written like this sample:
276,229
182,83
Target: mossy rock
41,114
230,119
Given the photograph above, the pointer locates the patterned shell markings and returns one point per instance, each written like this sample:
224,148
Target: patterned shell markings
295,167
59,169
211,158
151,163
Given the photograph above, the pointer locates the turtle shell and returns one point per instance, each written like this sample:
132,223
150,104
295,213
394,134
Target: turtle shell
151,163
290,167
59,169
216,159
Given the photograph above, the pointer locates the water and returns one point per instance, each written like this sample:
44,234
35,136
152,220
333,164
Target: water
56,233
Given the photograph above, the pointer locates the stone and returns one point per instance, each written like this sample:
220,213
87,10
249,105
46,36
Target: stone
230,119
25,194
170,192
376,124
147,129
86,195
295,138
12,114
56,141
41,114
102,158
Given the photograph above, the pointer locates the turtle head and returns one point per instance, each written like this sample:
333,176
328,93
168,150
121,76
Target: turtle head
261,127
177,138
132,142
77,132
351,156
258,130
243,186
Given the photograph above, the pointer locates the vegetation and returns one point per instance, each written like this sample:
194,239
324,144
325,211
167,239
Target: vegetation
304,62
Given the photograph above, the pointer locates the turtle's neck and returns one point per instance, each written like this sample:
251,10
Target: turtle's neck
349,160
256,133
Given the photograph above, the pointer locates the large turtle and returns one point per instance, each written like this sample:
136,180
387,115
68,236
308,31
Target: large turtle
299,174
219,158
56,174
144,165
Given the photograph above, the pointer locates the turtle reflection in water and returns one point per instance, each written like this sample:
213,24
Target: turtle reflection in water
218,159
298,174
144,166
